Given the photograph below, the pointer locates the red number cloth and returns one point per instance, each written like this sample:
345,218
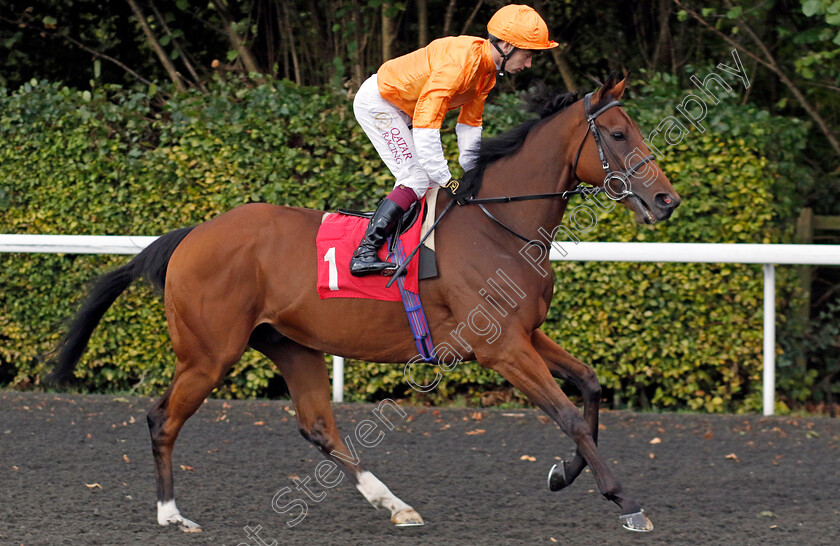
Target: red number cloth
343,234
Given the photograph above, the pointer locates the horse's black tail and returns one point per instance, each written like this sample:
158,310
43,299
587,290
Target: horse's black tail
150,264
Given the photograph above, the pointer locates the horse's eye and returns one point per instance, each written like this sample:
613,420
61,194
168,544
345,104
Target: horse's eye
618,135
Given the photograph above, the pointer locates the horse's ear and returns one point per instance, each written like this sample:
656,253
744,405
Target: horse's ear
616,84
618,89
613,87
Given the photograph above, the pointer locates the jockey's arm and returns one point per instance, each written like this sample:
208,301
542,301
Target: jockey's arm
429,113
428,117
468,130
430,154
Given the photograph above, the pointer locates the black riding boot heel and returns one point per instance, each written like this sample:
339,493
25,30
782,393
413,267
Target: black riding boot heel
365,260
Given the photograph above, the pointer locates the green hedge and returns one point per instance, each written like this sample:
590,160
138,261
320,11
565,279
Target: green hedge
116,162
120,162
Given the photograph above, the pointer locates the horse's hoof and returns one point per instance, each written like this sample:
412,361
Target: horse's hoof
184,524
636,522
187,526
407,518
557,477
168,513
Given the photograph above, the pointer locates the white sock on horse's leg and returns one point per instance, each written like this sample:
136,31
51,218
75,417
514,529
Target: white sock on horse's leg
169,513
378,494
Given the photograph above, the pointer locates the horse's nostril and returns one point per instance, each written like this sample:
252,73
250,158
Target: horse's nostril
665,201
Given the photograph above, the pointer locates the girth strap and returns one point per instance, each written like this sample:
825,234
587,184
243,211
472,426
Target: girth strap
414,310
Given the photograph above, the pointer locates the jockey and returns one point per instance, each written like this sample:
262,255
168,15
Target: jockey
416,90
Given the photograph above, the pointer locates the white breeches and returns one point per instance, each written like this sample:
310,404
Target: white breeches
387,127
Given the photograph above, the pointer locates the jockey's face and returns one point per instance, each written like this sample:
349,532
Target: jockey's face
519,61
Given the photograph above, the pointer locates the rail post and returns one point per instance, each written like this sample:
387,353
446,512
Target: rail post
769,338
338,379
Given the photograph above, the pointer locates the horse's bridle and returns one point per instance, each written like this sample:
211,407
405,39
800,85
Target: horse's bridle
622,176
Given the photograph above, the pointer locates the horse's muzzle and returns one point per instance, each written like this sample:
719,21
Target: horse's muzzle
661,208
665,203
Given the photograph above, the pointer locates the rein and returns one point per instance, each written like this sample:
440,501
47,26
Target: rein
585,191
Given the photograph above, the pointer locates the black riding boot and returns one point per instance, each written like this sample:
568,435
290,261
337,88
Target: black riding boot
365,260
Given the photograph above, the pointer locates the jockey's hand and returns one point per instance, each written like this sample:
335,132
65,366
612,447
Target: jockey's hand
458,191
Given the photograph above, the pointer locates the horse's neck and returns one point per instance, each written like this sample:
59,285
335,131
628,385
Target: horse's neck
542,165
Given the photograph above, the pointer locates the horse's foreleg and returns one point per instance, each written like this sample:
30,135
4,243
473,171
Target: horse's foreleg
521,364
306,375
564,366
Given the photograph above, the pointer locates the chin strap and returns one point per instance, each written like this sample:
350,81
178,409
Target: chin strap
501,71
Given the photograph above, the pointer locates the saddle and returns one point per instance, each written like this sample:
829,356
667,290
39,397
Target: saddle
426,257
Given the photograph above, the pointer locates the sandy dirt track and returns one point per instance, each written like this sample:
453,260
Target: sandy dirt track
78,470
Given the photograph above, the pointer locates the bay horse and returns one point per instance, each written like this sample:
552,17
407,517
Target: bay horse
247,279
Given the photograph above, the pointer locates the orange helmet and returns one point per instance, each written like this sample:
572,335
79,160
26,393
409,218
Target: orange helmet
520,26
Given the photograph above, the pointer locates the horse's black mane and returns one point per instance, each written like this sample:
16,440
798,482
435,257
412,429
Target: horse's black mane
541,101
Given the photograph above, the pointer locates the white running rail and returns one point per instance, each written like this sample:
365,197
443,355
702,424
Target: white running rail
768,255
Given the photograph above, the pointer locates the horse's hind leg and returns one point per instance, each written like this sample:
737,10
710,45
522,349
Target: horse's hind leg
203,361
564,366
184,396
305,372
